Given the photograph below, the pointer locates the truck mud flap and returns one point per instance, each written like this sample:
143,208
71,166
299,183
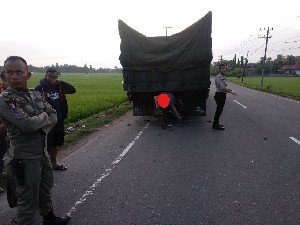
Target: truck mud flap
195,109
143,104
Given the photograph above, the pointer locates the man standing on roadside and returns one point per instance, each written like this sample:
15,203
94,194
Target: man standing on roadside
54,91
27,119
220,96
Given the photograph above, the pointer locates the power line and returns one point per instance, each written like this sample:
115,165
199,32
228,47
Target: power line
251,44
284,50
257,49
280,42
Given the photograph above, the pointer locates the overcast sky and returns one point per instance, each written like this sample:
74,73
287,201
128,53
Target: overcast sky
78,32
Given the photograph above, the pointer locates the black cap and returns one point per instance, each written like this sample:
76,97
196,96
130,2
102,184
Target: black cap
52,70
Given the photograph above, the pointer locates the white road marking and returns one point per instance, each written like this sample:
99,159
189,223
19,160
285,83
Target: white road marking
245,107
107,172
295,140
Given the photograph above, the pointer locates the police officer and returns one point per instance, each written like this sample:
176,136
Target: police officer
27,119
220,96
3,137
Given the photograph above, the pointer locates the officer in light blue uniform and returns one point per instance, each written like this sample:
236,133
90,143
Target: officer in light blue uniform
220,96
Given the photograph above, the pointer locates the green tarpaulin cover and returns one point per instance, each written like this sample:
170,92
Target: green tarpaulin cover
190,48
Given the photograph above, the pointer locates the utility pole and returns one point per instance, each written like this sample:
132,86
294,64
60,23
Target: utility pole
264,62
245,66
221,58
167,30
234,60
242,65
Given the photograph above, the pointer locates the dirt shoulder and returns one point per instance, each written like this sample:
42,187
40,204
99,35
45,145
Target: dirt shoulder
76,144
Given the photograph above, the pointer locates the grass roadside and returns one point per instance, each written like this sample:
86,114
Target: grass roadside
91,124
282,86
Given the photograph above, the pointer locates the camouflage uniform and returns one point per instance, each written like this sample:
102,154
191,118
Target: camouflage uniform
27,119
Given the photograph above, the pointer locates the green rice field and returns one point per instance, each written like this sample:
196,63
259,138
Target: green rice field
283,86
94,93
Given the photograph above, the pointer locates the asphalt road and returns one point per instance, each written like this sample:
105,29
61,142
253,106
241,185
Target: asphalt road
135,172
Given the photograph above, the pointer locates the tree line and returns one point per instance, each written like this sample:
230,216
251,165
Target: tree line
71,69
242,67
236,67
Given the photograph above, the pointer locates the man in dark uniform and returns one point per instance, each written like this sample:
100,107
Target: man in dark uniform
27,119
220,96
3,136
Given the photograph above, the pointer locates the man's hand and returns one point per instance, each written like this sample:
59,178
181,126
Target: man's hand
55,81
233,93
6,138
228,90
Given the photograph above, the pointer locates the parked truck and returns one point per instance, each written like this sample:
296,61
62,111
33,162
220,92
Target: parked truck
179,63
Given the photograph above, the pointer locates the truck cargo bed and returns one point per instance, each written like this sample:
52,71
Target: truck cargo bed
178,80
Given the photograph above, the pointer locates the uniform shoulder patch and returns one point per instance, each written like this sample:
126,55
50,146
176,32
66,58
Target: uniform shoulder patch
11,103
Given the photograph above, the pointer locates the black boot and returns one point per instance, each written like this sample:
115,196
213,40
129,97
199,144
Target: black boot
218,126
51,219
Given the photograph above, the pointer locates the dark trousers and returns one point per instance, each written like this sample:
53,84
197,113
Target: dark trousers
220,99
3,148
35,193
